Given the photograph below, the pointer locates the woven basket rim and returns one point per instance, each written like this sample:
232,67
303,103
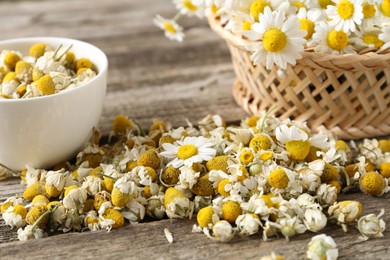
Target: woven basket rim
367,58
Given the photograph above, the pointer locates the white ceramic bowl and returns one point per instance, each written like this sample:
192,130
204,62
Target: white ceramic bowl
43,131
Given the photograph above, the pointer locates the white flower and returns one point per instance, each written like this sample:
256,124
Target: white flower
125,185
282,40
92,185
190,7
188,151
30,232
291,226
188,177
248,224
371,226
222,231
172,30
75,199
12,216
326,39
315,220
134,212
308,19
322,247
56,179
326,194
345,14
91,221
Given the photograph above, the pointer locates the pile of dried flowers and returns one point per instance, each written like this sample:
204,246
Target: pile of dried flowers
265,176
45,71
280,30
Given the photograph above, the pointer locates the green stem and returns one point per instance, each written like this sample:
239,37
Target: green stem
376,156
177,16
56,51
265,117
43,216
57,59
15,173
107,176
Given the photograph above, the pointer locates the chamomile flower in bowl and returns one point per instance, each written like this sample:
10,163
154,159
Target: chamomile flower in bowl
52,94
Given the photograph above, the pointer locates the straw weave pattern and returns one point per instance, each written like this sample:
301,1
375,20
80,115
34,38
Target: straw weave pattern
348,94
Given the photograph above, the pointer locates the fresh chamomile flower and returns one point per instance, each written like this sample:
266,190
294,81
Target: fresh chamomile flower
188,151
298,142
322,247
371,226
327,39
172,30
190,7
385,35
345,14
367,39
282,42
371,17
308,19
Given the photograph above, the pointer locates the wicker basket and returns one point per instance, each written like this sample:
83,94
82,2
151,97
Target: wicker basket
349,94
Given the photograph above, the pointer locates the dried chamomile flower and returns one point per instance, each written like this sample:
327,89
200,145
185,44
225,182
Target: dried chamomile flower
134,212
322,247
100,198
55,182
248,224
30,232
149,158
371,226
373,183
15,216
203,186
385,169
35,213
219,163
222,231
75,199
33,190
23,71
231,210
314,219
326,194
122,192
40,199
260,142
11,201
92,185
10,60
121,124
345,212
45,85
91,221
58,217
113,216
155,207
37,50
176,204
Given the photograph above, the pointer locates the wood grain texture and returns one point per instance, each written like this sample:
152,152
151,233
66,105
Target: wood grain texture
151,77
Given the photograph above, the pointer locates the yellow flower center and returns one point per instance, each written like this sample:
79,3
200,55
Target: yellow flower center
266,156
372,183
274,40
260,142
214,9
385,169
205,216
187,151
221,187
121,124
308,26
169,27
298,150
246,26
231,210
278,179
337,40
246,157
370,38
368,10
298,5
189,5
257,7
345,9
385,7
384,145
325,3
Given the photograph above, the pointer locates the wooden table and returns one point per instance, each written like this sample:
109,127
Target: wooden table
153,78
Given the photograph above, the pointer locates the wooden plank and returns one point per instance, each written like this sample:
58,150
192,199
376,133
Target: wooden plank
147,241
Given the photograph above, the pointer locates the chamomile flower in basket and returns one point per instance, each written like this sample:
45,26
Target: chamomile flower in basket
324,62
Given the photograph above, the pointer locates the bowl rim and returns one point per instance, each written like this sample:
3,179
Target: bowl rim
48,39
